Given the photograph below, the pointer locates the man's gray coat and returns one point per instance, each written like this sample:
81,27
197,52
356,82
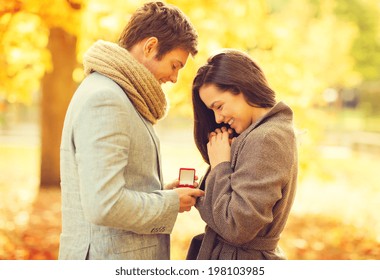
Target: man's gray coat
113,205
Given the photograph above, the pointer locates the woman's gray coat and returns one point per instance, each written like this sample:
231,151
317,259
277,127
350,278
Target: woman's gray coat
248,200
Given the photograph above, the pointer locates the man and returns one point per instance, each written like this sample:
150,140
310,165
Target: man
114,205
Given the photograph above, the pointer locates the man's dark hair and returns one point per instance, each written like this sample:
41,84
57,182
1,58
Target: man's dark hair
165,22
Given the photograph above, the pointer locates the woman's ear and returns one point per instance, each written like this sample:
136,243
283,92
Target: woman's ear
150,46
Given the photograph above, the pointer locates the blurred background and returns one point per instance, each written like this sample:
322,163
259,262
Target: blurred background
322,57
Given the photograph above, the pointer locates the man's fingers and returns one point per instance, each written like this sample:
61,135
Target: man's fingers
196,193
188,197
185,209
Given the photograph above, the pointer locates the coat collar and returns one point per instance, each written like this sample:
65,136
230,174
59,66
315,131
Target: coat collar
280,107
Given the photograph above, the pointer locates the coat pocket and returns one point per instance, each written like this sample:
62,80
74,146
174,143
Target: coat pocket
124,243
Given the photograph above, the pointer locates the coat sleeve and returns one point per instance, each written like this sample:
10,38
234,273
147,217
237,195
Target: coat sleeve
238,203
102,144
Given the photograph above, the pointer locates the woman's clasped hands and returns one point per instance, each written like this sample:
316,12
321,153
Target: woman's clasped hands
219,146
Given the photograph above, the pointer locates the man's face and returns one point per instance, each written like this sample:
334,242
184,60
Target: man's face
166,69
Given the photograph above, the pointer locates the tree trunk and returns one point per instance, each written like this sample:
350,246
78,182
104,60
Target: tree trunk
57,89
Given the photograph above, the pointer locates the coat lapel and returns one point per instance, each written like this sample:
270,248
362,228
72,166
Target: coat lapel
152,133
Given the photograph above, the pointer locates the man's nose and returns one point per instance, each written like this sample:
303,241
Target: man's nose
173,77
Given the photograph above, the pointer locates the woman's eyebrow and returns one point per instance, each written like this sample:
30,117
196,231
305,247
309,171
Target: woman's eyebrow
213,104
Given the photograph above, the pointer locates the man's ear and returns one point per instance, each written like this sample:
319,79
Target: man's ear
150,46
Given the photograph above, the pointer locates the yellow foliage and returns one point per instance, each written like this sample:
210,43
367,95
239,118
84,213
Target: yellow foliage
301,51
293,46
24,56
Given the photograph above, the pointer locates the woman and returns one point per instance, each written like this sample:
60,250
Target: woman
251,182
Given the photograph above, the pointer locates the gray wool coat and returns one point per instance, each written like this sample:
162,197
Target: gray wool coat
248,200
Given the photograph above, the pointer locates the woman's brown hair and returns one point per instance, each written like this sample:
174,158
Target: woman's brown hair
234,71
165,22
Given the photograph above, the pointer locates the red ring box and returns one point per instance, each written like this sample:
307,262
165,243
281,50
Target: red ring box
186,178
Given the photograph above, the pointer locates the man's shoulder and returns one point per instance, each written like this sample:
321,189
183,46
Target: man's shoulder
98,81
97,87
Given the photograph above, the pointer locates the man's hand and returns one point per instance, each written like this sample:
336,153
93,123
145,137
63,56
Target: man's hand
187,198
175,184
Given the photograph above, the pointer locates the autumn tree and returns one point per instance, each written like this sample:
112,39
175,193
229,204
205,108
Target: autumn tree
303,46
58,84
40,54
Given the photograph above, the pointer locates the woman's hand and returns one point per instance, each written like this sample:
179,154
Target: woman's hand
219,146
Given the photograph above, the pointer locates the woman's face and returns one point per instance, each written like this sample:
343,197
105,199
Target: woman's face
228,108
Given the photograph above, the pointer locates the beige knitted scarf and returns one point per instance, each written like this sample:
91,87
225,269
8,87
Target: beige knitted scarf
139,84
